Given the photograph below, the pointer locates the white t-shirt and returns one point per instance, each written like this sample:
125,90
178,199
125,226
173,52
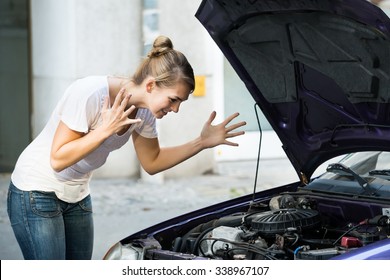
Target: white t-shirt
80,109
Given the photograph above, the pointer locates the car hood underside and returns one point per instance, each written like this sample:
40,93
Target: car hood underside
319,71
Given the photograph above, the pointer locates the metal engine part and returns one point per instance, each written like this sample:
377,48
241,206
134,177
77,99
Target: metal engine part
223,239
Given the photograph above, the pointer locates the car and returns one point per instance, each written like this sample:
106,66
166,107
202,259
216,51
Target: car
319,72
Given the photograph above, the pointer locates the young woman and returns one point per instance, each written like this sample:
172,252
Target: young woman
49,202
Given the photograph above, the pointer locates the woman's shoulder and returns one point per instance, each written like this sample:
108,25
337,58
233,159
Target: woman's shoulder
88,84
93,80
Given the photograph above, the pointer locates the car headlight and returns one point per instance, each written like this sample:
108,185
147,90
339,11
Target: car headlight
124,252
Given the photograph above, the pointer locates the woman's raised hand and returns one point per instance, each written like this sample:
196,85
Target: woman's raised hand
214,135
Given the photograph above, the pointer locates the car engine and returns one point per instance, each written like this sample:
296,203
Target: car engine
289,228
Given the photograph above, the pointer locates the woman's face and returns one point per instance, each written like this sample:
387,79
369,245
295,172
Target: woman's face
165,100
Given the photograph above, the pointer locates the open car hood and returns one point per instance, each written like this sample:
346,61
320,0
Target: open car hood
318,69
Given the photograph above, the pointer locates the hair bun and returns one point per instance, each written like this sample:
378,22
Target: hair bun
161,46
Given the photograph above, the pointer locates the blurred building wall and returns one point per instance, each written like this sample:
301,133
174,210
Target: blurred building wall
15,113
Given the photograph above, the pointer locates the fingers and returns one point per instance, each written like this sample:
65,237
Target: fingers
230,118
235,126
128,112
121,100
125,100
234,134
231,143
229,129
226,121
118,98
231,135
212,117
119,112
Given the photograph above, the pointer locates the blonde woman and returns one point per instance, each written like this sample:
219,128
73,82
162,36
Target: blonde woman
49,202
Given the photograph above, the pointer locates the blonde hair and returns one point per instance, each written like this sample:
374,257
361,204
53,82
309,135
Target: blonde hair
166,65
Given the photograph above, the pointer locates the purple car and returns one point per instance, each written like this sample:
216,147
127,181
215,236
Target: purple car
319,70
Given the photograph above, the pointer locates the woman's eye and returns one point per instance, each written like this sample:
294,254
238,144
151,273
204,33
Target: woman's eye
172,100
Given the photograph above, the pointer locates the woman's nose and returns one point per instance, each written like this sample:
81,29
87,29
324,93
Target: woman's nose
175,107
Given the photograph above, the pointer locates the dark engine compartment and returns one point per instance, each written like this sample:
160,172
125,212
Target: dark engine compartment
289,226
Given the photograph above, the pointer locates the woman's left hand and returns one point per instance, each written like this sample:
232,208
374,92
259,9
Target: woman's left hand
214,135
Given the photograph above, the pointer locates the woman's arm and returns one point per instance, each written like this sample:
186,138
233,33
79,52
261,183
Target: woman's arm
155,159
70,146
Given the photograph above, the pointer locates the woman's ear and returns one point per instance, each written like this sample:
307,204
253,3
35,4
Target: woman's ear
150,85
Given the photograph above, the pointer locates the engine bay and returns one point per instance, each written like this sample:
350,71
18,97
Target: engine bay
287,227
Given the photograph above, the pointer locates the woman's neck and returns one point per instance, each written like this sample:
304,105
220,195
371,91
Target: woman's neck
137,94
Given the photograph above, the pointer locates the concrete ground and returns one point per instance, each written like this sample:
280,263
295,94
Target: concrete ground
125,206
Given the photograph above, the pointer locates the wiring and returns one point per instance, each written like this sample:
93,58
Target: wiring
199,239
240,246
345,233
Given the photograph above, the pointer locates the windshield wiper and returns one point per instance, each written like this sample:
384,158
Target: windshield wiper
380,173
342,169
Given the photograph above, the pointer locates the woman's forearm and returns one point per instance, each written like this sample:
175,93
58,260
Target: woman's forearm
78,147
168,157
70,146
155,159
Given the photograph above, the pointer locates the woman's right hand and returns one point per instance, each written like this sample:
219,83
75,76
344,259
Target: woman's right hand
116,118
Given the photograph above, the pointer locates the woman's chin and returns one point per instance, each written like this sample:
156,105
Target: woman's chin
160,115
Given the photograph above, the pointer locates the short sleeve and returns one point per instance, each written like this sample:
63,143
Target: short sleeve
147,127
81,105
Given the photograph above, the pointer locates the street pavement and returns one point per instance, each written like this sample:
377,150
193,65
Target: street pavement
124,206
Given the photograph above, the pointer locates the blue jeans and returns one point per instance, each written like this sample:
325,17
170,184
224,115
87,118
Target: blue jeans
47,228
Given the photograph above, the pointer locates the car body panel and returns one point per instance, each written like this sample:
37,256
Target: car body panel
378,251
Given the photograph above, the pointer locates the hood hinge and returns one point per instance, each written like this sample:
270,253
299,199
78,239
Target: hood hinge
303,178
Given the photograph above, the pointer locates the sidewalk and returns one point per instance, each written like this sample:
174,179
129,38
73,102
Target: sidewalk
124,206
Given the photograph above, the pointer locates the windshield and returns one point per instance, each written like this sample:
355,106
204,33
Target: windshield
366,173
363,163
